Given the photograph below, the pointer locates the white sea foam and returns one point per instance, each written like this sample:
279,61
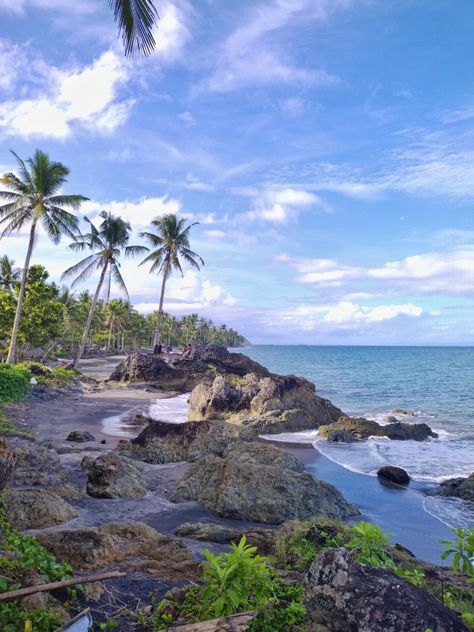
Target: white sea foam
117,426
174,410
453,512
303,437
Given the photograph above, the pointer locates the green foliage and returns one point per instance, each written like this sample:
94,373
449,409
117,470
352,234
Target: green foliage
284,609
14,619
461,550
14,382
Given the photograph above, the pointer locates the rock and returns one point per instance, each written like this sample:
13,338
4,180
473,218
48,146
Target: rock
37,466
263,539
416,432
403,411
36,509
262,493
112,476
185,373
393,474
133,546
268,404
80,436
162,442
262,454
349,429
341,595
457,487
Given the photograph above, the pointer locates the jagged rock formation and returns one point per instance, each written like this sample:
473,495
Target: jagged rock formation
268,404
36,509
111,476
347,429
458,487
262,493
341,595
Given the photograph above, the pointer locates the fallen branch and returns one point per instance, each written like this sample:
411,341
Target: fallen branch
31,590
235,623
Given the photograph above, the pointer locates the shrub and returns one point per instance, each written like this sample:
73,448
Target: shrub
14,382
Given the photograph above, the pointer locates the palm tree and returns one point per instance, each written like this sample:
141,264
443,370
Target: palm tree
170,242
34,197
106,241
9,275
136,20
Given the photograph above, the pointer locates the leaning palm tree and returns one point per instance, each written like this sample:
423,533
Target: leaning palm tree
169,243
33,197
106,242
136,20
9,275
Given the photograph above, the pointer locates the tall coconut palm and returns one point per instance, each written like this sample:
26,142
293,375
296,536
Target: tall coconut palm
107,242
136,20
9,275
33,197
169,243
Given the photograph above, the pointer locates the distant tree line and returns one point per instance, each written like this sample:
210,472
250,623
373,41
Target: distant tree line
53,320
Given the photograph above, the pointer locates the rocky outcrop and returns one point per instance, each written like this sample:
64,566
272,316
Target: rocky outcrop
347,429
262,493
162,442
112,476
132,545
341,595
80,436
263,539
184,373
255,453
36,509
267,404
393,474
457,487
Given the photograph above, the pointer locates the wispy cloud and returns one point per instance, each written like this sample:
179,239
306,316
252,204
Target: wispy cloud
279,205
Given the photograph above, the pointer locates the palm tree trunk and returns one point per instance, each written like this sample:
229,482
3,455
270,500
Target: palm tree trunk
19,306
85,335
156,340
109,341
109,286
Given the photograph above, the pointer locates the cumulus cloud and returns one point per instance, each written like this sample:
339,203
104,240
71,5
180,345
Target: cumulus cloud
138,212
280,205
81,95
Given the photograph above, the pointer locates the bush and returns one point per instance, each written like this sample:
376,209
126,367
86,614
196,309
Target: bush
14,382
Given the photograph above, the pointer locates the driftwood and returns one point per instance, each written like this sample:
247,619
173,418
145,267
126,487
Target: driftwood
235,623
7,464
31,590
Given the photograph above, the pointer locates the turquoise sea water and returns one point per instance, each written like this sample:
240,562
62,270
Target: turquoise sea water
434,383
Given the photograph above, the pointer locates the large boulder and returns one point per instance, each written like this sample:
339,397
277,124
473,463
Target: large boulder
36,509
457,487
112,476
257,453
262,538
268,404
184,373
347,429
393,474
130,545
341,595
80,436
161,442
262,493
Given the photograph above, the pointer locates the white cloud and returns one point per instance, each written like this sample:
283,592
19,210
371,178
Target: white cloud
280,205
173,31
139,213
251,55
187,118
85,95
19,7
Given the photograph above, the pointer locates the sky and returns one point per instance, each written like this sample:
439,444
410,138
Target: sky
326,148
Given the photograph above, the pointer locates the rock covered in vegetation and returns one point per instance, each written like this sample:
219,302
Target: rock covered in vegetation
269,404
347,429
185,373
341,595
262,493
393,474
263,539
36,509
162,442
112,476
134,545
457,487
80,436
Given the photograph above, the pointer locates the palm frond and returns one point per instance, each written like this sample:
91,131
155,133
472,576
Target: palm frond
132,251
118,278
74,201
135,19
77,268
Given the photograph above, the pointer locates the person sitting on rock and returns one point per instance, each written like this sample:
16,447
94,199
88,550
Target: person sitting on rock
157,349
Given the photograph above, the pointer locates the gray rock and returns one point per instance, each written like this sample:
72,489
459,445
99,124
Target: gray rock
36,509
341,595
112,476
80,436
349,429
403,432
393,474
457,487
262,493
263,539
256,453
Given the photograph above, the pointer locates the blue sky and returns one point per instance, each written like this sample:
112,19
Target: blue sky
325,147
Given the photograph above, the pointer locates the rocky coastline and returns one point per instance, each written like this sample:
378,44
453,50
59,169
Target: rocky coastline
91,500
